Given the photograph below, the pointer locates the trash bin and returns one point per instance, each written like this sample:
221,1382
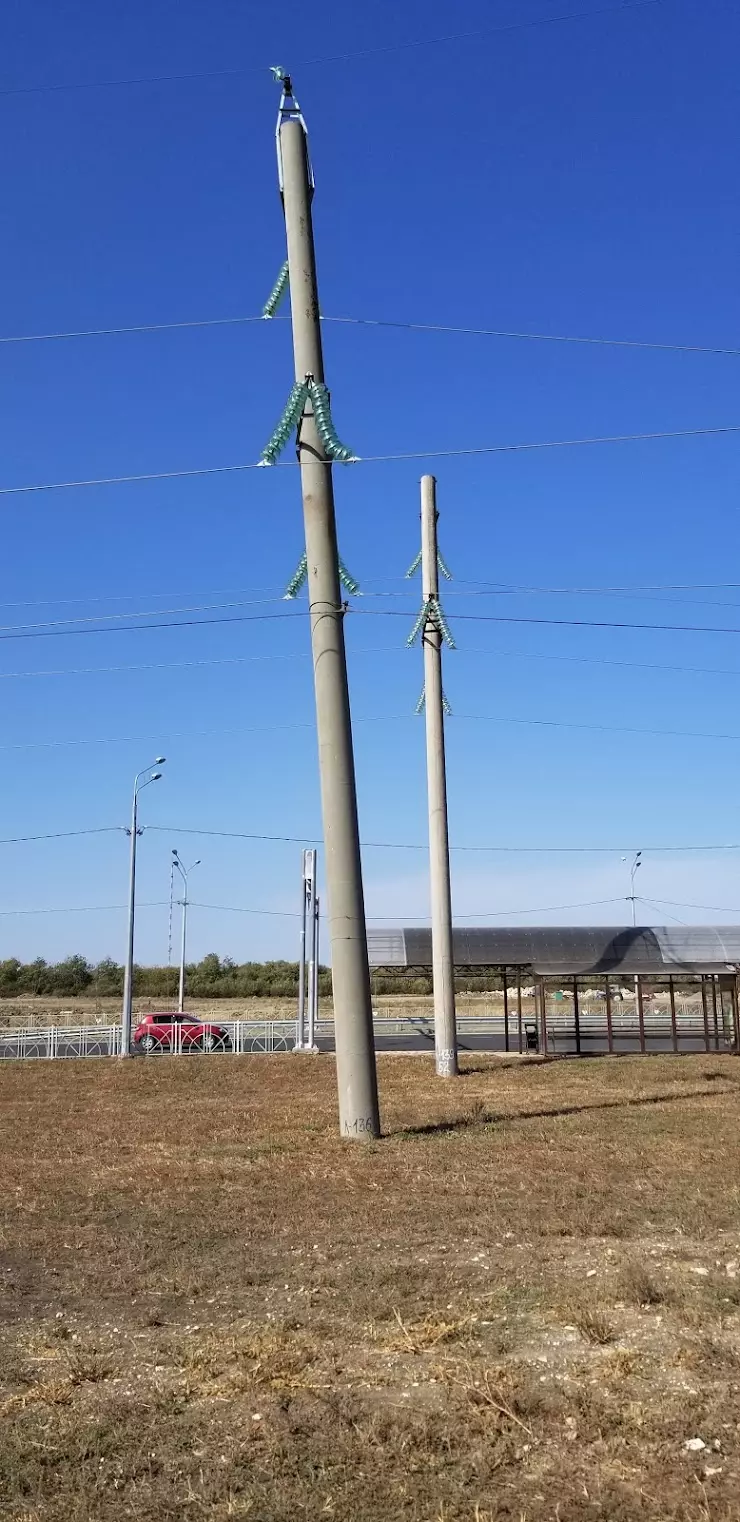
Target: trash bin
531,1036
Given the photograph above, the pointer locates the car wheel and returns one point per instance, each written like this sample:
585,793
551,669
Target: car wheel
210,1042
148,1044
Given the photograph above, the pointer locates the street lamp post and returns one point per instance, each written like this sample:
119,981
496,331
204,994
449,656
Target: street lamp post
635,865
183,870
128,979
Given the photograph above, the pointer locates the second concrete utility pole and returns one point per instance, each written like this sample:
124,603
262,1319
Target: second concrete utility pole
433,628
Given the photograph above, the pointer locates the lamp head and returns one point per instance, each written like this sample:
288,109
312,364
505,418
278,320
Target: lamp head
155,777
159,760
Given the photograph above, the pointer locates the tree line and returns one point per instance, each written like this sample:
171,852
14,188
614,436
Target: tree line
212,978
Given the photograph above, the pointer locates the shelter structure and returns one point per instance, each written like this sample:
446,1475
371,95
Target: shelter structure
595,988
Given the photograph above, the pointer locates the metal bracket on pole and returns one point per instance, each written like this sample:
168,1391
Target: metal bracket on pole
289,111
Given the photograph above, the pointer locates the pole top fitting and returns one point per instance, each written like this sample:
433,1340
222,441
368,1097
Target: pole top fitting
289,111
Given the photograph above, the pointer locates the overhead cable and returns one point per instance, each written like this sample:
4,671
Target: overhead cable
376,459
381,845
454,329
309,63
105,829
389,718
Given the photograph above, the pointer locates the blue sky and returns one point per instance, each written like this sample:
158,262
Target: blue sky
576,178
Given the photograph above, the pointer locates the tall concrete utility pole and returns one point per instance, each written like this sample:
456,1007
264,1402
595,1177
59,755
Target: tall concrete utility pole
355,1053
445,1029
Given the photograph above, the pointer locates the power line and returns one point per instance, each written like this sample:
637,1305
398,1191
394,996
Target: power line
594,660
303,655
376,718
287,914
307,63
105,829
637,595
96,618
384,845
152,904
139,327
653,904
62,602
399,845
554,338
62,629
559,623
185,623
492,914
619,438
622,729
678,904
454,329
376,459
224,660
82,908
464,588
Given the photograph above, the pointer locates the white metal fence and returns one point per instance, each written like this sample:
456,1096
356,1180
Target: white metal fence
105,1040
403,1032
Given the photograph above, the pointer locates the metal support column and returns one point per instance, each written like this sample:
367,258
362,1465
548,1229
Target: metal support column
519,1012
640,1012
705,1013
609,1022
674,1027
577,1017
506,1015
715,1015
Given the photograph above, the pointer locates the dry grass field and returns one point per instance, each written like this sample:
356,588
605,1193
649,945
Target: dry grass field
523,1303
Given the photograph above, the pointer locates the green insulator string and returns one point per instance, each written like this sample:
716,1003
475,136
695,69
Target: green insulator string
421,705
431,613
441,622
276,294
418,626
291,414
325,424
444,568
297,580
300,577
348,581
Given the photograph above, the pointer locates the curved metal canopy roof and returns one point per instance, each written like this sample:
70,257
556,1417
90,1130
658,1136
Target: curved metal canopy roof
557,950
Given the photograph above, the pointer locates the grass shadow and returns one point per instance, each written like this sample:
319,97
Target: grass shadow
477,1121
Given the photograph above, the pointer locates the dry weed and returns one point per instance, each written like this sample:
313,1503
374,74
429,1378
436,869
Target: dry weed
594,1325
640,1286
421,1336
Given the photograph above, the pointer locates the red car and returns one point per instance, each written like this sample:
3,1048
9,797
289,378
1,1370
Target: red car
173,1032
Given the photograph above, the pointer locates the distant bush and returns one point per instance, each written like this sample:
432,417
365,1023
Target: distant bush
212,978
